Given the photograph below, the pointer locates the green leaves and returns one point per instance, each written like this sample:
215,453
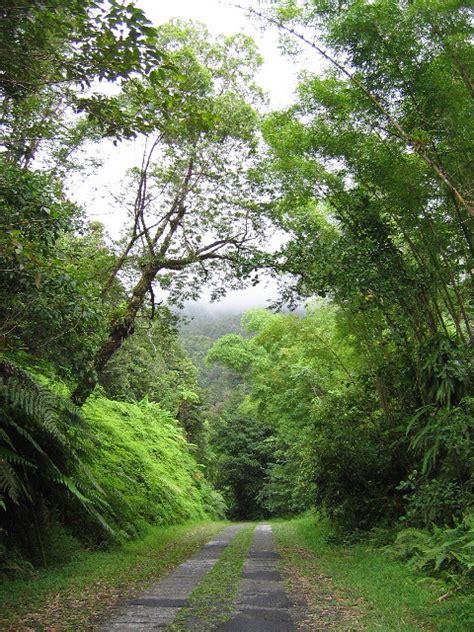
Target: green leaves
233,351
448,553
375,144
363,138
145,466
39,446
54,61
441,485
103,474
88,40
447,371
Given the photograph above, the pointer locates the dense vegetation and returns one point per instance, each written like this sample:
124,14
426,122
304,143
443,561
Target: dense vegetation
114,415
70,299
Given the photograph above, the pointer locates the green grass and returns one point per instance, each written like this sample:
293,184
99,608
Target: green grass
389,596
213,601
74,596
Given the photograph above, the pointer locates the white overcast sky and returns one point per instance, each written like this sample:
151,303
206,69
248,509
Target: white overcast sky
278,77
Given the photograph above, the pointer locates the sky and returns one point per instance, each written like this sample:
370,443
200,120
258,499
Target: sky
278,77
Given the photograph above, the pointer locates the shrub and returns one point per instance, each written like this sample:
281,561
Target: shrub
440,488
97,475
356,464
448,553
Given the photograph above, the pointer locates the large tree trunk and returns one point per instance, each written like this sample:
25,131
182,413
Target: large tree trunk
119,331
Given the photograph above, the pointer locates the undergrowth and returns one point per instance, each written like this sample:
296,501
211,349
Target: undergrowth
447,553
77,595
146,468
95,477
391,596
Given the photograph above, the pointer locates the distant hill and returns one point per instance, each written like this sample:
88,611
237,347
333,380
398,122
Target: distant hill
204,320
200,327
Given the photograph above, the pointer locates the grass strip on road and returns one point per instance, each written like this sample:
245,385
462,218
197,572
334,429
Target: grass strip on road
213,601
76,595
359,587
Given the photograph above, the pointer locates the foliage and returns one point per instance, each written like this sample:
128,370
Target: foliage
340,439
369,180
34,214
59,289
54,59
199,329
243,447
49,281
232,351
151,364
121,466
290,365
356,461
375,144
42,462
194,206
363,406
441,487
448,553
145,467
387,594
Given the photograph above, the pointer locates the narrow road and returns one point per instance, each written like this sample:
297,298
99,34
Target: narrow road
262,602
156,608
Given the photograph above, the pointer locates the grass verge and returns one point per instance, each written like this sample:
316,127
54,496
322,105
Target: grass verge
76,595
213,601
357,587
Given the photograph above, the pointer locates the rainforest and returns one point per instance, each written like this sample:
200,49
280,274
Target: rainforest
144,420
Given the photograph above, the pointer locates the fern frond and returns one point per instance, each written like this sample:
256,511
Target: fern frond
45,432
82,467
12,457
5,438
27,435
10,484
39,403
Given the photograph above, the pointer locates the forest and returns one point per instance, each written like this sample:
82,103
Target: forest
343,412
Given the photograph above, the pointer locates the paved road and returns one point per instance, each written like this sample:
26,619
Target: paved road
156,608
262,602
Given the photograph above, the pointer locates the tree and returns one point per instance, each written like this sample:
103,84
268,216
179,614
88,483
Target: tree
51,278
53,59
195,217
244,449
370,170
152,365
382,233
393,54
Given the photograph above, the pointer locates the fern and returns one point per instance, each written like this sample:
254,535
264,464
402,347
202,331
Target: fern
445,552
14,458
10,483
141,471
43,433
20,391
146,466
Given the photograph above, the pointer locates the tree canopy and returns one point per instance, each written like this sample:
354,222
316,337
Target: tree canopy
114,413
